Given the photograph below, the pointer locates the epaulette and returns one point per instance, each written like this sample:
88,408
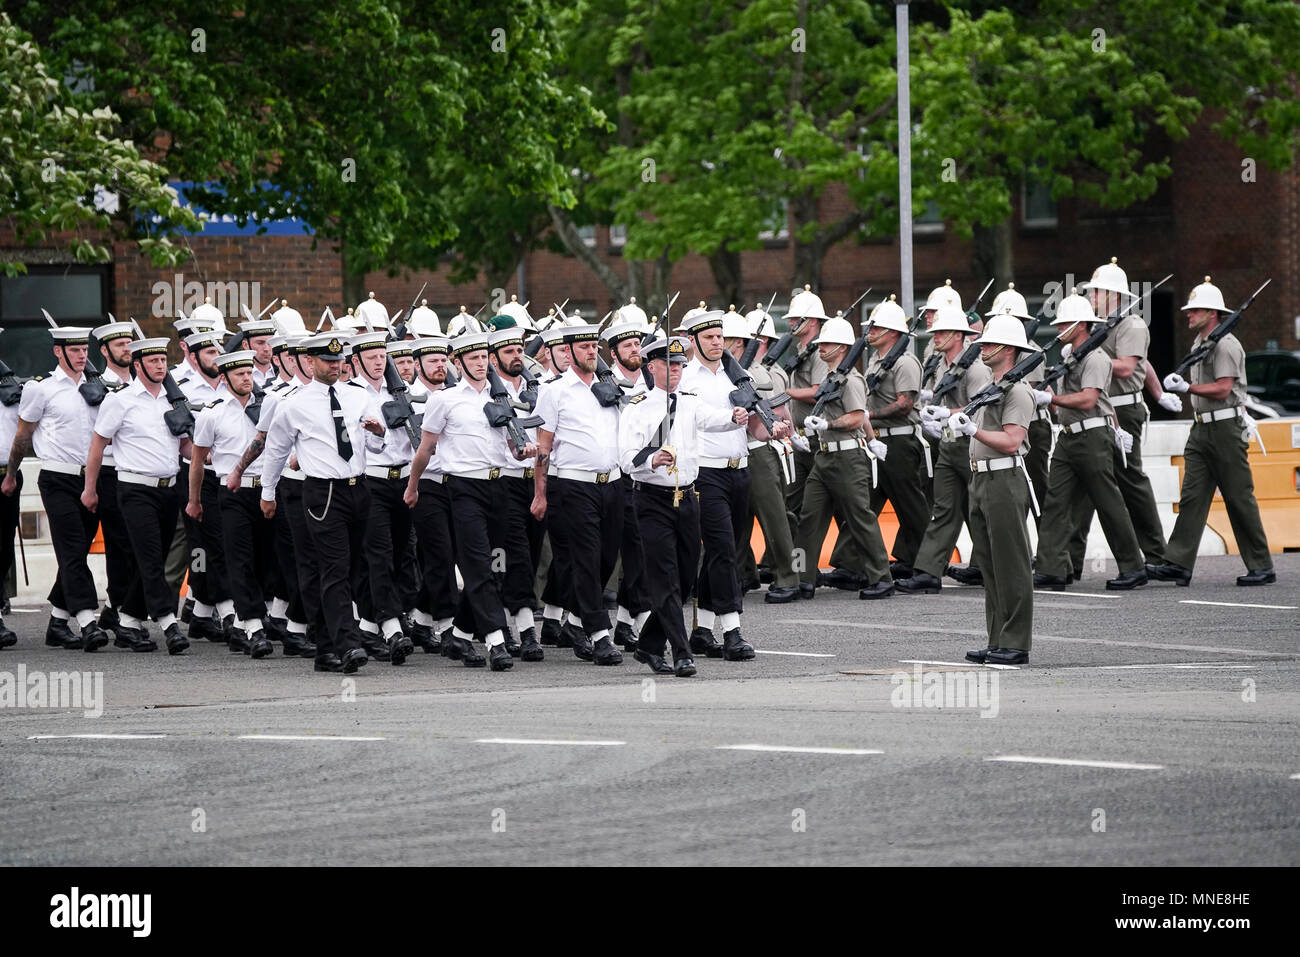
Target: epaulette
37,378
214,403
355,384
686,392
554,378
636,398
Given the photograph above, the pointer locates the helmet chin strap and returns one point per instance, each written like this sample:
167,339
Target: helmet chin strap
1067,332
1000,347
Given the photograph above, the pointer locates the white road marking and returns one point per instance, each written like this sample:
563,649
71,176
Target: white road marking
793,654
1236,604
794,750
307,737
1295,777
603,744
96,737
981,633
962,664
1076,763
1204,665
1076,594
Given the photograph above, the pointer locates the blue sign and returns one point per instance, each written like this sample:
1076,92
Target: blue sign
226,224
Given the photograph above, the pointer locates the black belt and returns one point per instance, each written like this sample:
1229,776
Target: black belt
661,489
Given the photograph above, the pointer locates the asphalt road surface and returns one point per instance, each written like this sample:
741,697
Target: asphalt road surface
1180,705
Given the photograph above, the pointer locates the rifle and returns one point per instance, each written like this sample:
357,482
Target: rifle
895,353
94,390
1095,339
534,344
1224,327
11,390
832,387
606,388
972,312
782,344
528,394
398,329
180,420
952,376
931,364
254,407
746,396
751,350
659,323
994,391
501,412
398,411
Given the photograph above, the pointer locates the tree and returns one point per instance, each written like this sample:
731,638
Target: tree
62,169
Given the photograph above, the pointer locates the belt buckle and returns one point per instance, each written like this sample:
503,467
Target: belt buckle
257,482
395,473
494,473
528,473
352,480
162,482
602,478
733,463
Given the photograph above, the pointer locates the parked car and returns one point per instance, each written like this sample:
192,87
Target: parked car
1273,380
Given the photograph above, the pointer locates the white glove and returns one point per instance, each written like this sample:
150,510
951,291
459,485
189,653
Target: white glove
934,413
925,395
1042,397
800,442
1124,441
1250,428
816,423
1171,402
1175,383
962,424
1065,351
933,428
878,448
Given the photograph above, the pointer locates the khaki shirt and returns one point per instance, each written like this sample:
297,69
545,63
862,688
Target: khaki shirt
1130,337
1225,359
852,399
905,376
806,374
1016,408
1092,373
768,380
970,382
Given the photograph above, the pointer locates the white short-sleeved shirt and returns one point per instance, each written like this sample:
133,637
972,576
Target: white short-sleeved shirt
142,443
466,442
586,432
64,421
227,430
304,426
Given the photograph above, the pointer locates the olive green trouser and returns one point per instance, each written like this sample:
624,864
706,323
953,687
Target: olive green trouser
1216,458
1082,467
952,478
840,483
999,502
1038,460
1135,487
767,504
844,554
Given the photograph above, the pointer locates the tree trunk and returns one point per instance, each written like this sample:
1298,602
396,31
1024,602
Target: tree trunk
725,265
353,283
992,254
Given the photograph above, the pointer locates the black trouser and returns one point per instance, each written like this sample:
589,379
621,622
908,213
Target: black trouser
119,561
632,592
72,529
287,586
899,479
10,510
387,535
150,516
586,525
724,520
302,559
671,539
510,534
336,512
209,580
249,539
437,544
473,501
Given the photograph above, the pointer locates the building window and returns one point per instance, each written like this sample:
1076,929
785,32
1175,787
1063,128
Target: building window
779,225
588,234
1037,208
617,235
929,221
73,295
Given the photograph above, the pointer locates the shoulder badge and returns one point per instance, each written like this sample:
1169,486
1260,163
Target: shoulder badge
38,378
686,392
637,398
214,403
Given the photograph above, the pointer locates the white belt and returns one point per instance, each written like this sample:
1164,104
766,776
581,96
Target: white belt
740,463
594,478
67,468
438,478
1217,415
785,455
296,474
758,443
388,471
898,430
1127,398
135,478
1044,414
1074,428
245,481
841,446
995,465
912,430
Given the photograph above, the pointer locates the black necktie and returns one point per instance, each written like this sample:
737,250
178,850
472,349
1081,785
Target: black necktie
340,430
